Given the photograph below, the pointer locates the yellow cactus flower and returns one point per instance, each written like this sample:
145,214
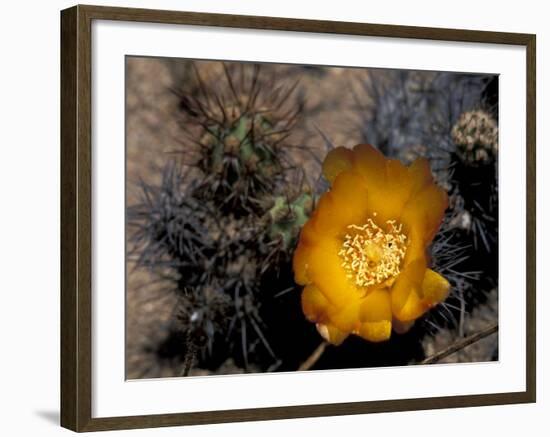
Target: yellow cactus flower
362,256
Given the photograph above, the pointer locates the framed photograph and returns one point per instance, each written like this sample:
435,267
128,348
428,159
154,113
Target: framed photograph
268,218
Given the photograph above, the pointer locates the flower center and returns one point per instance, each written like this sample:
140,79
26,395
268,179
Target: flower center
371,255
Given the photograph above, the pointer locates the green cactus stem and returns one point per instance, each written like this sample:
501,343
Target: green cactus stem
288,217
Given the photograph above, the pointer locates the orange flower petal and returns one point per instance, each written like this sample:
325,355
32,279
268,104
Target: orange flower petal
375,331
416,248
331,334
375,314
435,288
388,182
424,211
389,199
370,164
327,219
345,204
346,318
405,293
420,175
325,270
399,183
412,308
336,161
300,263
376,306
314,304
350,199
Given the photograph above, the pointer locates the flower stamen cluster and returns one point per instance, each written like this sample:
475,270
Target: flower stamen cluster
371,255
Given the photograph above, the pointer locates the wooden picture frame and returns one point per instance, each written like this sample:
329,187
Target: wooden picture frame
76,217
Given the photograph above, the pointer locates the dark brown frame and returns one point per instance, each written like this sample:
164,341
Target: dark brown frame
76,249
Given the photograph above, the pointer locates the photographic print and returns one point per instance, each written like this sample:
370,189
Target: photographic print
285,218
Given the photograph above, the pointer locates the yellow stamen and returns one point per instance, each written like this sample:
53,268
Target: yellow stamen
371,255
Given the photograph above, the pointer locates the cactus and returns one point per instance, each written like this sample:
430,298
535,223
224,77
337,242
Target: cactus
223,224
242,143
475,135
412,113
475,186
288,216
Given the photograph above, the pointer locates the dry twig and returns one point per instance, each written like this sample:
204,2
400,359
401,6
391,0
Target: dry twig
461,344
314,357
